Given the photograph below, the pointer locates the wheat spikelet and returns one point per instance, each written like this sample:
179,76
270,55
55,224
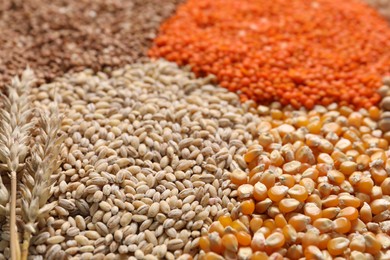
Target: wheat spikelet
15,126
38,182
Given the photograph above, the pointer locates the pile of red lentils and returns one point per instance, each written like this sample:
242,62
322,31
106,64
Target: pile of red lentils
297,52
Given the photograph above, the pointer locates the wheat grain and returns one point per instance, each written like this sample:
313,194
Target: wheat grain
15,126
43,163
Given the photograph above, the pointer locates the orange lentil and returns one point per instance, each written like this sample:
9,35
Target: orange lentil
298,52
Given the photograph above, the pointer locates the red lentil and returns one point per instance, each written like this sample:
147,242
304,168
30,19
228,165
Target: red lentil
298,52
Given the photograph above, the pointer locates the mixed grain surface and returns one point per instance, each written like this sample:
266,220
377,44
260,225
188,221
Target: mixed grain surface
53,37
146,162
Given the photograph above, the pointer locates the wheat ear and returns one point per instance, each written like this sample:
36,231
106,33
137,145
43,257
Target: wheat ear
44,161
15,126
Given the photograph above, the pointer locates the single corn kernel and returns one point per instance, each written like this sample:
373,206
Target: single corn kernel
268,179
239,226
324,225
260,191
204,243
330,212
342,225
347,187
311,237
365,213
384,240
348,200
311,173
275,240
299,222
311,210
216,243
376,193
245,191
253,153
309,185
379,205
373,246
239,177
337,246
230,242
355,177
323,241
324,188
280,221
244,253
258,242
336,177
294,252
350,213
313,252
262,206
315,199
292,167
298,192
247,207
243,238
348,167
305,155
270,224
358,243
289,233
276,158
330,201
363,162
358,226
255,224
277,193
365,185
378,175
265,139
217,227
287,180
225,220
287,205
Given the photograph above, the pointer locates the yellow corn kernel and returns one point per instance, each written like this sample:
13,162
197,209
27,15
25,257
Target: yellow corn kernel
323,225
298,192
288,205
230,242
311,210
337,246
275,240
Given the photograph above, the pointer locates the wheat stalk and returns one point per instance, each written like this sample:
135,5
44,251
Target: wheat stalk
37,184
15,126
